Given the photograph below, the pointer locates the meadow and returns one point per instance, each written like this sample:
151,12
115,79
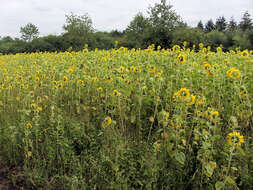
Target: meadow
123,118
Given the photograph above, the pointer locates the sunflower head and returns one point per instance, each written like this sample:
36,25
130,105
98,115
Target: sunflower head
207,67
181,58
184,93
192,100
245,53
233,73
235,138
115,92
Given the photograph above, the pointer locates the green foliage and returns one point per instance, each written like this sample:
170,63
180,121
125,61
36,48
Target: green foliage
137,31
163,22
128,119
221,24
190,35
29,32
209,26
200,25
78,30
232,25
242,40
246,22
216,38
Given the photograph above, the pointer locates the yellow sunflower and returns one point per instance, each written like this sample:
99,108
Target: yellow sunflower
214,115
233,73
245,53
181,58
207,67
235,138
192,100
115,92
184,93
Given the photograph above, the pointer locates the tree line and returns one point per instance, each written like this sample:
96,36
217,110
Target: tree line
162,27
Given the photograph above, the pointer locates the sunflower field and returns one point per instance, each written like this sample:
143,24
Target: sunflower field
128,118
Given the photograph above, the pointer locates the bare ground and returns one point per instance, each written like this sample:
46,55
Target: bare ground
6,182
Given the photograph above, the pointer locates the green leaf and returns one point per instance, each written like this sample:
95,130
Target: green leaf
209,170
230,180
219,185
234,168
241,151
180,157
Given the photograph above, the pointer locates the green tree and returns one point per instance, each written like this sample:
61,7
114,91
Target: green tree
78,25
232,25
78,30
246,22
200,25
221,24
29,32
136,31
209,26
216,38
163,22
191,35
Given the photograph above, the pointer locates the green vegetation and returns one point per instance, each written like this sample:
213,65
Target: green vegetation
128,119
159,27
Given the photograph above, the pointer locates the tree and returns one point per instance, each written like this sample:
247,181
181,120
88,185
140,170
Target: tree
221,24
78,30
163,17
232,25
209,26
246,22
200,25
78,25
191,35
136,31
29,32
163,22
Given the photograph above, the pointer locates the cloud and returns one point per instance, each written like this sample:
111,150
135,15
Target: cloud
49,15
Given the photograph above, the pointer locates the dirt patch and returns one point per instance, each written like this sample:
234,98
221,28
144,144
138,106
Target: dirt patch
5,181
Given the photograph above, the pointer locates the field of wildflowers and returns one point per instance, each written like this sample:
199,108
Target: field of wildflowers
128,119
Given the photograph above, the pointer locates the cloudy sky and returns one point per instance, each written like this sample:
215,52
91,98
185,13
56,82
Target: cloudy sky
49,15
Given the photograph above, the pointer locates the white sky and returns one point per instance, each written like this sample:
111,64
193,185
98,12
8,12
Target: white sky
107,15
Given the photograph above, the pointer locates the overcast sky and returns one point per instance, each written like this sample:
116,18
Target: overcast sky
49,15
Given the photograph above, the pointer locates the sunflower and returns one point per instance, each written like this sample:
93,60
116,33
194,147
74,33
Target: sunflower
201,45
65,79
219,49
184,92
122,69
29,125
192,100
214,115
176,48
235,138
243,91
181,58
132,69
95,80
152,70
207,67
245,53
234,73
115,92
107,122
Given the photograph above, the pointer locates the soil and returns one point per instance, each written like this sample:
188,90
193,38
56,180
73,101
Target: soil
6,183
